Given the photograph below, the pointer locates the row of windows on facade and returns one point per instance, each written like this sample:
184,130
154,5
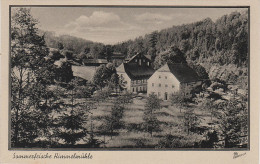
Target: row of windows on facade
166,85
139,89
165,95
139,81
140,62
161,77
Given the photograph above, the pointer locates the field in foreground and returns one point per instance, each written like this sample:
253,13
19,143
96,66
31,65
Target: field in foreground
133,135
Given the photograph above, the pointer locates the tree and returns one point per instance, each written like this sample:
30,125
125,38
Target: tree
31,73
172,55
103,75
114,120
153,39
190,120
72,126
68,54
114,81
102,95
152,43
100,76
151,123
63,71
178,99
234,123
60,46
56,55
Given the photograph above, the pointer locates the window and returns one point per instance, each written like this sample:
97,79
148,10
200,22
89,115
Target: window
165,77
135,60
166,85
152,84
172,86
159,94
140,61
147,63
159,76
133,89
165,96
159,85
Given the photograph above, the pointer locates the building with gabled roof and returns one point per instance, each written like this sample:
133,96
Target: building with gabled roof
117,58
135,73
173,78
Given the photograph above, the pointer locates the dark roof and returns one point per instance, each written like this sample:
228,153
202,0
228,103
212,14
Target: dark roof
136,72
117,56
74,63
95,61
183,72
117,53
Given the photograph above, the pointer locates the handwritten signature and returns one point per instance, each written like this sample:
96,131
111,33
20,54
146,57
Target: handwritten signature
236,155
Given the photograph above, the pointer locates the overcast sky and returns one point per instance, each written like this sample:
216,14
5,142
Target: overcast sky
112,25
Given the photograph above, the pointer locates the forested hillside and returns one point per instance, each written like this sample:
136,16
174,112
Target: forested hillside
223,42
80,47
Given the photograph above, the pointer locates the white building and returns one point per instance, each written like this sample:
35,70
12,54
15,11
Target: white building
135,73
172,78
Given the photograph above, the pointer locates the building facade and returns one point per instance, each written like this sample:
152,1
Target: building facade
135,73
171,79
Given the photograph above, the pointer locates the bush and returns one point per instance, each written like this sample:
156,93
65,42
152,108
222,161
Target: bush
170,141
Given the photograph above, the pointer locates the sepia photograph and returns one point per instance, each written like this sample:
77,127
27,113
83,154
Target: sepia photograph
129,78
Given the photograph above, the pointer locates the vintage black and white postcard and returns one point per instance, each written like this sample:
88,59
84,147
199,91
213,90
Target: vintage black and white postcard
129,82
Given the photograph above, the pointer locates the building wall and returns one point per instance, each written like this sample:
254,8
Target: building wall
141,60
133,85
163,84
139,86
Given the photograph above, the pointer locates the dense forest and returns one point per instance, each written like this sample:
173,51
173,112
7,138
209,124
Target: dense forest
223,42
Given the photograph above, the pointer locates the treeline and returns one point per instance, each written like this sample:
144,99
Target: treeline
223,42
81,48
